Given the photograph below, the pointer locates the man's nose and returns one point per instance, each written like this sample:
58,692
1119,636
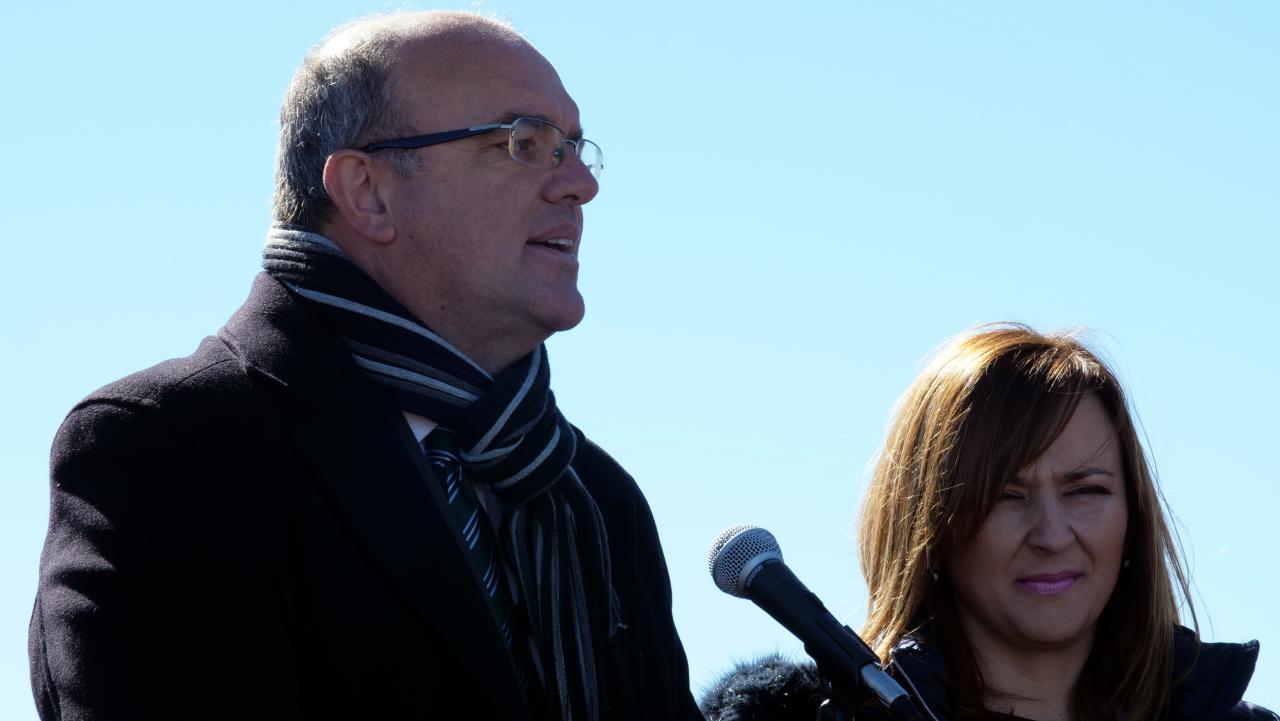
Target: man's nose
1051,528
571,181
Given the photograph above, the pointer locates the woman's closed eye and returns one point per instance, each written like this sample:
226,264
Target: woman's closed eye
1089,490
1009,495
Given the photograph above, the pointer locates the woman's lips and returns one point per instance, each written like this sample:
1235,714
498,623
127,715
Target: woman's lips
1049,584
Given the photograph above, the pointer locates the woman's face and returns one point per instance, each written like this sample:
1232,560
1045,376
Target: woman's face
1043,564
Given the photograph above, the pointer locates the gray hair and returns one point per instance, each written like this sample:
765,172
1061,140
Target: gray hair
340,98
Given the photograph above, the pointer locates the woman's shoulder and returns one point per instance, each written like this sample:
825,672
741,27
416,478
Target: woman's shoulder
1245,711
1210,679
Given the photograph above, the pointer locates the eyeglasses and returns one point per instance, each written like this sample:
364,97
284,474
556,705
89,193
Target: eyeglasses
533,141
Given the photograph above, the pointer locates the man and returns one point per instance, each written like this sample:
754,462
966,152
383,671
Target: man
358,500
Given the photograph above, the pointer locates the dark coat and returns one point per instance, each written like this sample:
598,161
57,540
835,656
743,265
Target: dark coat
245,534
773,689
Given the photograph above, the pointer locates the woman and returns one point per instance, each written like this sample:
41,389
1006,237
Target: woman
1016,552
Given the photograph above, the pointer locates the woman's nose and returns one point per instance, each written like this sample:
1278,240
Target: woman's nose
1051,530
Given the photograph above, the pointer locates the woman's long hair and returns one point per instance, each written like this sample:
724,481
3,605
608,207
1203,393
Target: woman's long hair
986,406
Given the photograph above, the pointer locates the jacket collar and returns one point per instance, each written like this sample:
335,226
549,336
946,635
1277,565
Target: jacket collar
921,667
1209,679
283,341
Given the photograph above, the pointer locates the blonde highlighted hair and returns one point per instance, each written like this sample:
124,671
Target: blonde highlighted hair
988,404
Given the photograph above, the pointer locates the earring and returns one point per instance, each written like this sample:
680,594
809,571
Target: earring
1126,563
933,575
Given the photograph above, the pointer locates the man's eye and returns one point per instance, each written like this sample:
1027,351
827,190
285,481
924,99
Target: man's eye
1008,496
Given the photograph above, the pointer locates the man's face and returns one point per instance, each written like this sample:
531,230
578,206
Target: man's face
471,255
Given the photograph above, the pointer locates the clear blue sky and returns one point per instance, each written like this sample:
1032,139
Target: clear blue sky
797,206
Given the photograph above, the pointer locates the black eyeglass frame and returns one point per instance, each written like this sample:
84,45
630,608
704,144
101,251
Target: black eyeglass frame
448,136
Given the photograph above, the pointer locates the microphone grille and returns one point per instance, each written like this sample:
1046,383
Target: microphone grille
734,550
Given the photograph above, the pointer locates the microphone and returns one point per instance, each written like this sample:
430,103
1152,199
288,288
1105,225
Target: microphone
745,561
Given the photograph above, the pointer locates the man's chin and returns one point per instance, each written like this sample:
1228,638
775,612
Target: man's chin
566,315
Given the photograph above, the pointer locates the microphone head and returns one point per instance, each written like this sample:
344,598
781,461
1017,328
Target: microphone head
736,553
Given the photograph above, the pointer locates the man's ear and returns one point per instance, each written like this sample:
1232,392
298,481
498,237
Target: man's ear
358,188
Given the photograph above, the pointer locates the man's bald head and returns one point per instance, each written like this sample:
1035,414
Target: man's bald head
343,95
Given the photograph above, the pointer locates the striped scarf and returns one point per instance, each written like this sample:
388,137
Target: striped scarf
514,441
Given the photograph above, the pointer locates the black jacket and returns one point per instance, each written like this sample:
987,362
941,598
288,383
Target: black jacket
245,534
772,689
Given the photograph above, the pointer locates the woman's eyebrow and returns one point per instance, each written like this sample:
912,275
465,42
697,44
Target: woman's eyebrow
1085,472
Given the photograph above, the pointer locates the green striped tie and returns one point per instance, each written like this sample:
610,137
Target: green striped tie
441,446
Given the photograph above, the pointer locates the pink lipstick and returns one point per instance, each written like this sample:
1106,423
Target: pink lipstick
1049,584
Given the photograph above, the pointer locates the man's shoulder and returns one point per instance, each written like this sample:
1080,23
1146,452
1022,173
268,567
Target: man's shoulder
230,371
215,387
212,368
211,374
600,472
158,402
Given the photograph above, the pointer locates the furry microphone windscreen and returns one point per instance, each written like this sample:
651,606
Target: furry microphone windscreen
770,688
